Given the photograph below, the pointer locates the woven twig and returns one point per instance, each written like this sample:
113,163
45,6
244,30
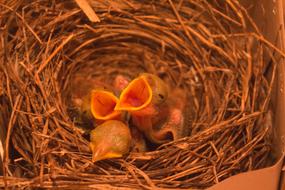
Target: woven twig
210,48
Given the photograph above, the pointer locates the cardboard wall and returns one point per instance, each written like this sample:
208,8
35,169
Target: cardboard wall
269,17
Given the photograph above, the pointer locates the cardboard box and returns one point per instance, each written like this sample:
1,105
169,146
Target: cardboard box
269,16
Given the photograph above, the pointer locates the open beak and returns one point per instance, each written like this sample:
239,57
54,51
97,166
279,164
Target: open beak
136,96
103,104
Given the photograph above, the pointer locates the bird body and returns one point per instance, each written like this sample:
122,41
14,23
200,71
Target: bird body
170,123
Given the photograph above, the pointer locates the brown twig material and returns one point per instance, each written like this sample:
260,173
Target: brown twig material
50,52
87,9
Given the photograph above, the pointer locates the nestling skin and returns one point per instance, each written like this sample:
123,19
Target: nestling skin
138,140
170,124
112,139
120,83
158,116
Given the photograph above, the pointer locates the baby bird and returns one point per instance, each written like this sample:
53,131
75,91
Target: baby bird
81,90
138,140
112,139
159,117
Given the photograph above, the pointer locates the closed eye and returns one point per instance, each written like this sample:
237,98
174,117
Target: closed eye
161,96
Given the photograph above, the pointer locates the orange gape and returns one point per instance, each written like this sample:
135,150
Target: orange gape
103,104
136,96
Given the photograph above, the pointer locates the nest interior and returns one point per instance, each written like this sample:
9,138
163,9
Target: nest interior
212,49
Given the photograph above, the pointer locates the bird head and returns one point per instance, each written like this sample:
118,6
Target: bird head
158,86
143,95
112,139
136,96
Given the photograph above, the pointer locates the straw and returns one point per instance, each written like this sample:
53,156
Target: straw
52,53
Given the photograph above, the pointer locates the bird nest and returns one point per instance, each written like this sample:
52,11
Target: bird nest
50,50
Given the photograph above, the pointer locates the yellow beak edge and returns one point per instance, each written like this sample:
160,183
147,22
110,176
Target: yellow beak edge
136,96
